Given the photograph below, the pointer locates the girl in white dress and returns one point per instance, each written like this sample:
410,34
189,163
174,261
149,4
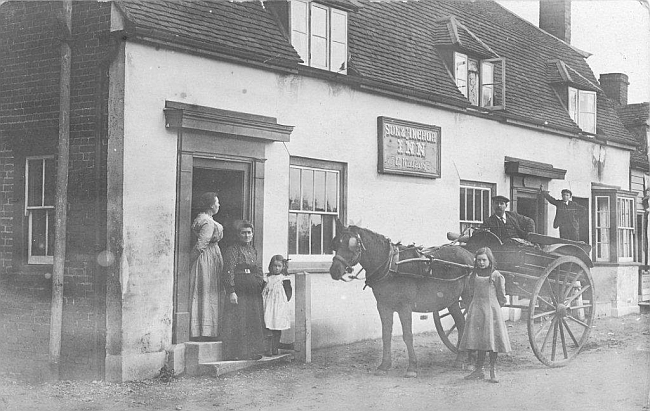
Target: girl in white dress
276,296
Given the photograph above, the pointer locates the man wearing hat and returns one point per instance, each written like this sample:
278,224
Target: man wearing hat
567,214
508,224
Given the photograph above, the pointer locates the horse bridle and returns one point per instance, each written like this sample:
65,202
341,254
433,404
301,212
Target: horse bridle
349,266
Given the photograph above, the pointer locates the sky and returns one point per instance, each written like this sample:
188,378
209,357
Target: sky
615,32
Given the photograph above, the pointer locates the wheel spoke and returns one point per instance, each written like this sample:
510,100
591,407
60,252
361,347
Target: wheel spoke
554,346
444,315
566,276
453,327
550,289
543,314
578,294
559,324
578,321
542,327
546,301
575,341
573,280
576,307
550,328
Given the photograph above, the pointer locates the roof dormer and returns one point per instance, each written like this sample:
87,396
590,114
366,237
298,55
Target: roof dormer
478,71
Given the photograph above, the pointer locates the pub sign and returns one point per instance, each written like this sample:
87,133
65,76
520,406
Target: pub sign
408,148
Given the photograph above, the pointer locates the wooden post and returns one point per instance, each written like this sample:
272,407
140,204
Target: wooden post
303,317
61,196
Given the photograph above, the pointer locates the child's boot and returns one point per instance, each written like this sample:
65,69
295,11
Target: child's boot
478,373
493,371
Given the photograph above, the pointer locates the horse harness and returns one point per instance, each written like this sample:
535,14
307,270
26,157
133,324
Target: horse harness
391,266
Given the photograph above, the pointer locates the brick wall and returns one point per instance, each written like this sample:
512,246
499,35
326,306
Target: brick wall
30,37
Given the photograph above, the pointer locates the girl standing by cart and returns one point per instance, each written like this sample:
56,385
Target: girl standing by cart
485,329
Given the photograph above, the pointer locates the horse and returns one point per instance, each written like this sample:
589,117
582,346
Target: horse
419,291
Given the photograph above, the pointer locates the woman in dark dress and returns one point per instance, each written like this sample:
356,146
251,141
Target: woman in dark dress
243,325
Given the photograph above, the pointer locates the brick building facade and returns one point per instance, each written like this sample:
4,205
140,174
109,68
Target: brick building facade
30,38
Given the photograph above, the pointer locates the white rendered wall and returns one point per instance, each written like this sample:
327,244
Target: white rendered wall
332,122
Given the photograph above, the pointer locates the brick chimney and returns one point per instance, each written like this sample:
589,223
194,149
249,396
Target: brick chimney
555,18
615,87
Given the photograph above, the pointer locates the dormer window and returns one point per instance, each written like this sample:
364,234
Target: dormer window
582,109
319,33
475,79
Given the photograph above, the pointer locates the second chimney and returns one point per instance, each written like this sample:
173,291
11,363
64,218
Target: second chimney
555,18
615,87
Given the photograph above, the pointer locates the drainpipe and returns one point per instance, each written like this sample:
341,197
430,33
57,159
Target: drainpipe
61,197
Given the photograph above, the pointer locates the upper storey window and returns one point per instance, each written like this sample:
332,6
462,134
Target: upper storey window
477,80
582,109
319,34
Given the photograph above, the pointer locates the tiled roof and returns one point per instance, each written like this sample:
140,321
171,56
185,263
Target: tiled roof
393,43
559,72
245,29
634,114
448,32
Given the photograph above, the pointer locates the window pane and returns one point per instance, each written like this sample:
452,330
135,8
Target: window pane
307,190
339,57
299,35
487,73
332,192
50,182
328,233
472,81
39,232
477,205
293,229
319,190
573,103
470,203
318,52
35,182
486,205
463,213
316,232
50,233
294,189
460,63
319,38
303,233
339,27
487,96
588,122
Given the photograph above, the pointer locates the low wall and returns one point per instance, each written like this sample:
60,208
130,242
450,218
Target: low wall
616,289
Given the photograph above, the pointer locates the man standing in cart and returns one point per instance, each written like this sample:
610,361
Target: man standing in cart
508,225
567,215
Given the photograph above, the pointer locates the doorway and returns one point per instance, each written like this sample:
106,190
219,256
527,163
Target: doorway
232,181
527,202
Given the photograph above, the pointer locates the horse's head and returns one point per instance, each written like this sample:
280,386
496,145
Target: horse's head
347,246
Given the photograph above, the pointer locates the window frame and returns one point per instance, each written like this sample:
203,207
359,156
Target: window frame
577,112
332,40
483,85
329,166
474,185
27,211
617,249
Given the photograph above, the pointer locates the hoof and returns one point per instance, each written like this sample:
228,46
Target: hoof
411,374
476,375
381,372
493,380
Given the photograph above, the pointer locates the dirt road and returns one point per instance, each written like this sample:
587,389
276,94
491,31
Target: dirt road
612,373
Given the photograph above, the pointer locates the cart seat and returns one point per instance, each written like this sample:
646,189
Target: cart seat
546,240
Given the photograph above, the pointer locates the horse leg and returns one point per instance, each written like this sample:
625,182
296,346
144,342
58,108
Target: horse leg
406,318
386,316
459,320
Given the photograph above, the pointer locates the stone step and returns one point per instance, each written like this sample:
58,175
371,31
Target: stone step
218,368
197,353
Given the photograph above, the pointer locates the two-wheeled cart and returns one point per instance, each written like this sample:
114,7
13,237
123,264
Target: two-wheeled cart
553,276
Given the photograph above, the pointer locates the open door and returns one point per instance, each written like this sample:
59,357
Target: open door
231,180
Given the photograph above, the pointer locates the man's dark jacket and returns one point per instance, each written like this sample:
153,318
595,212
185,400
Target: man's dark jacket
517,226
566,217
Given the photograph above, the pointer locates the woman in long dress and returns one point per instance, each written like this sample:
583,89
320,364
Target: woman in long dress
206,268
243,324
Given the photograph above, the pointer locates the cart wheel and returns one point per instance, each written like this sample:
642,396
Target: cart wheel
448,335
561,311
